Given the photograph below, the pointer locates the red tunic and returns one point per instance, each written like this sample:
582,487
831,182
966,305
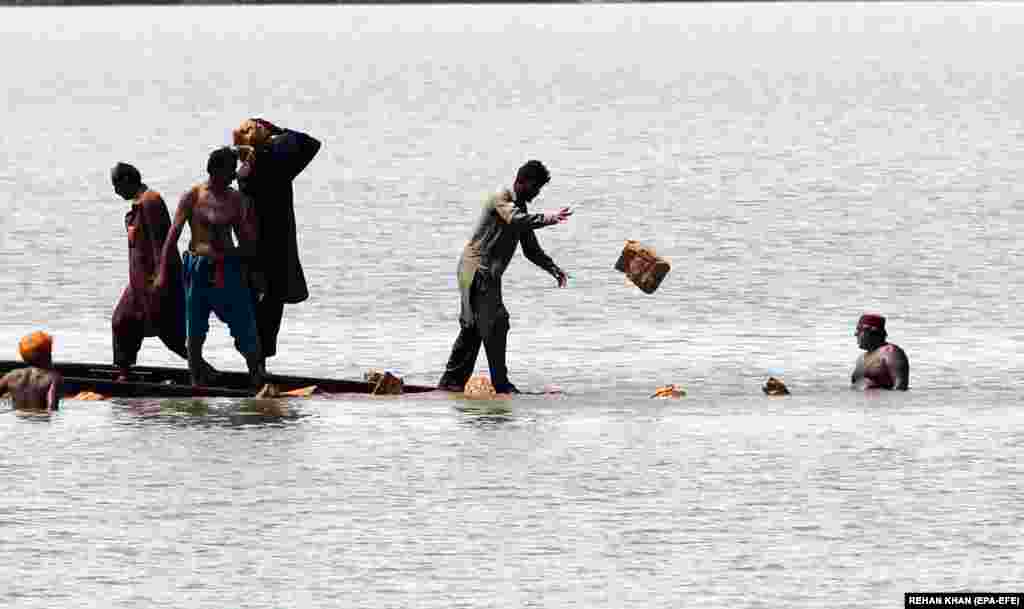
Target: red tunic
147,224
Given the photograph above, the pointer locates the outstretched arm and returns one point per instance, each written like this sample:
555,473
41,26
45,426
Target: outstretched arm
5,384
536,254
289,151
181,216
516,215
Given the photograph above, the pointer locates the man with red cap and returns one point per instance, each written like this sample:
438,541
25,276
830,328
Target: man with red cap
884,365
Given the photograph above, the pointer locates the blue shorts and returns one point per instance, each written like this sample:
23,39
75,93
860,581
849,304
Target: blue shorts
231,303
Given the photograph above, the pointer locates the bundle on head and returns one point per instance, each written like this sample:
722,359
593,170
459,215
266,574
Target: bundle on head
251,133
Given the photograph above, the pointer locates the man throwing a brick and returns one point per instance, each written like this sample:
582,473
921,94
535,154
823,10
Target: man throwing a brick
503,225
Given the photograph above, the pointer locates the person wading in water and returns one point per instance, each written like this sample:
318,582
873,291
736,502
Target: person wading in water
38,386
884,365
503,225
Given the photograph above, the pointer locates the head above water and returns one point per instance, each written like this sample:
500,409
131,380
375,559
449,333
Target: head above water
126,180
37,349
222,165
530,179
870,331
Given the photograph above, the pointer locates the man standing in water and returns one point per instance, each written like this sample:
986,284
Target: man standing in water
143,310
884,365
503,225
38,386
213,274
273,158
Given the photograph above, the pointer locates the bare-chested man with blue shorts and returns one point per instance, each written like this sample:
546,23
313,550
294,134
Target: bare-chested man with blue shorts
214,277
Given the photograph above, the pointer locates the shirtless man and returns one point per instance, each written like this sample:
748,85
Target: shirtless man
884,365
36,387
214,278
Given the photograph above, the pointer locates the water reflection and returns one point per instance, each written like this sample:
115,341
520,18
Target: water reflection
42,416
485,412
7,405
209,412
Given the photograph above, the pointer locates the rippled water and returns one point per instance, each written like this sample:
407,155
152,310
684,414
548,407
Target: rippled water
799,164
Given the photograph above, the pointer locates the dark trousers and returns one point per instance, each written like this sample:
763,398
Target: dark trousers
128,334
466,348
269,312
490,327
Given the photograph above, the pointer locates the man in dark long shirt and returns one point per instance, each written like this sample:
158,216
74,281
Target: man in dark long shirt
143,310
503,225
276,157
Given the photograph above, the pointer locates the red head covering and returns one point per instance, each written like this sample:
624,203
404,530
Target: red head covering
36,348
871,321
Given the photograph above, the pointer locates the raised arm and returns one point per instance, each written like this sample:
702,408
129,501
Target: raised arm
536,254
290,151
181,216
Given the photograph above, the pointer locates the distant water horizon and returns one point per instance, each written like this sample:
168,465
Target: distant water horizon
71,3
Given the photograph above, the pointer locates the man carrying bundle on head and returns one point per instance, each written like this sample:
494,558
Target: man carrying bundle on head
213,277
503,225
143,310
884,365
271,160
36,387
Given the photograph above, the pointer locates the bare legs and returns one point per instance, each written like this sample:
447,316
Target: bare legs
202,372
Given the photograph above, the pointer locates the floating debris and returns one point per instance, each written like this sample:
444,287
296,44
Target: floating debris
672,391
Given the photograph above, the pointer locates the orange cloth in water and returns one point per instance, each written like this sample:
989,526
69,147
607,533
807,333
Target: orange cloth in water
36,347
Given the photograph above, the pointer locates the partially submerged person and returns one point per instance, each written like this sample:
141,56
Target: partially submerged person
143,310
213,275
273,158
504,224
884,365
38,386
